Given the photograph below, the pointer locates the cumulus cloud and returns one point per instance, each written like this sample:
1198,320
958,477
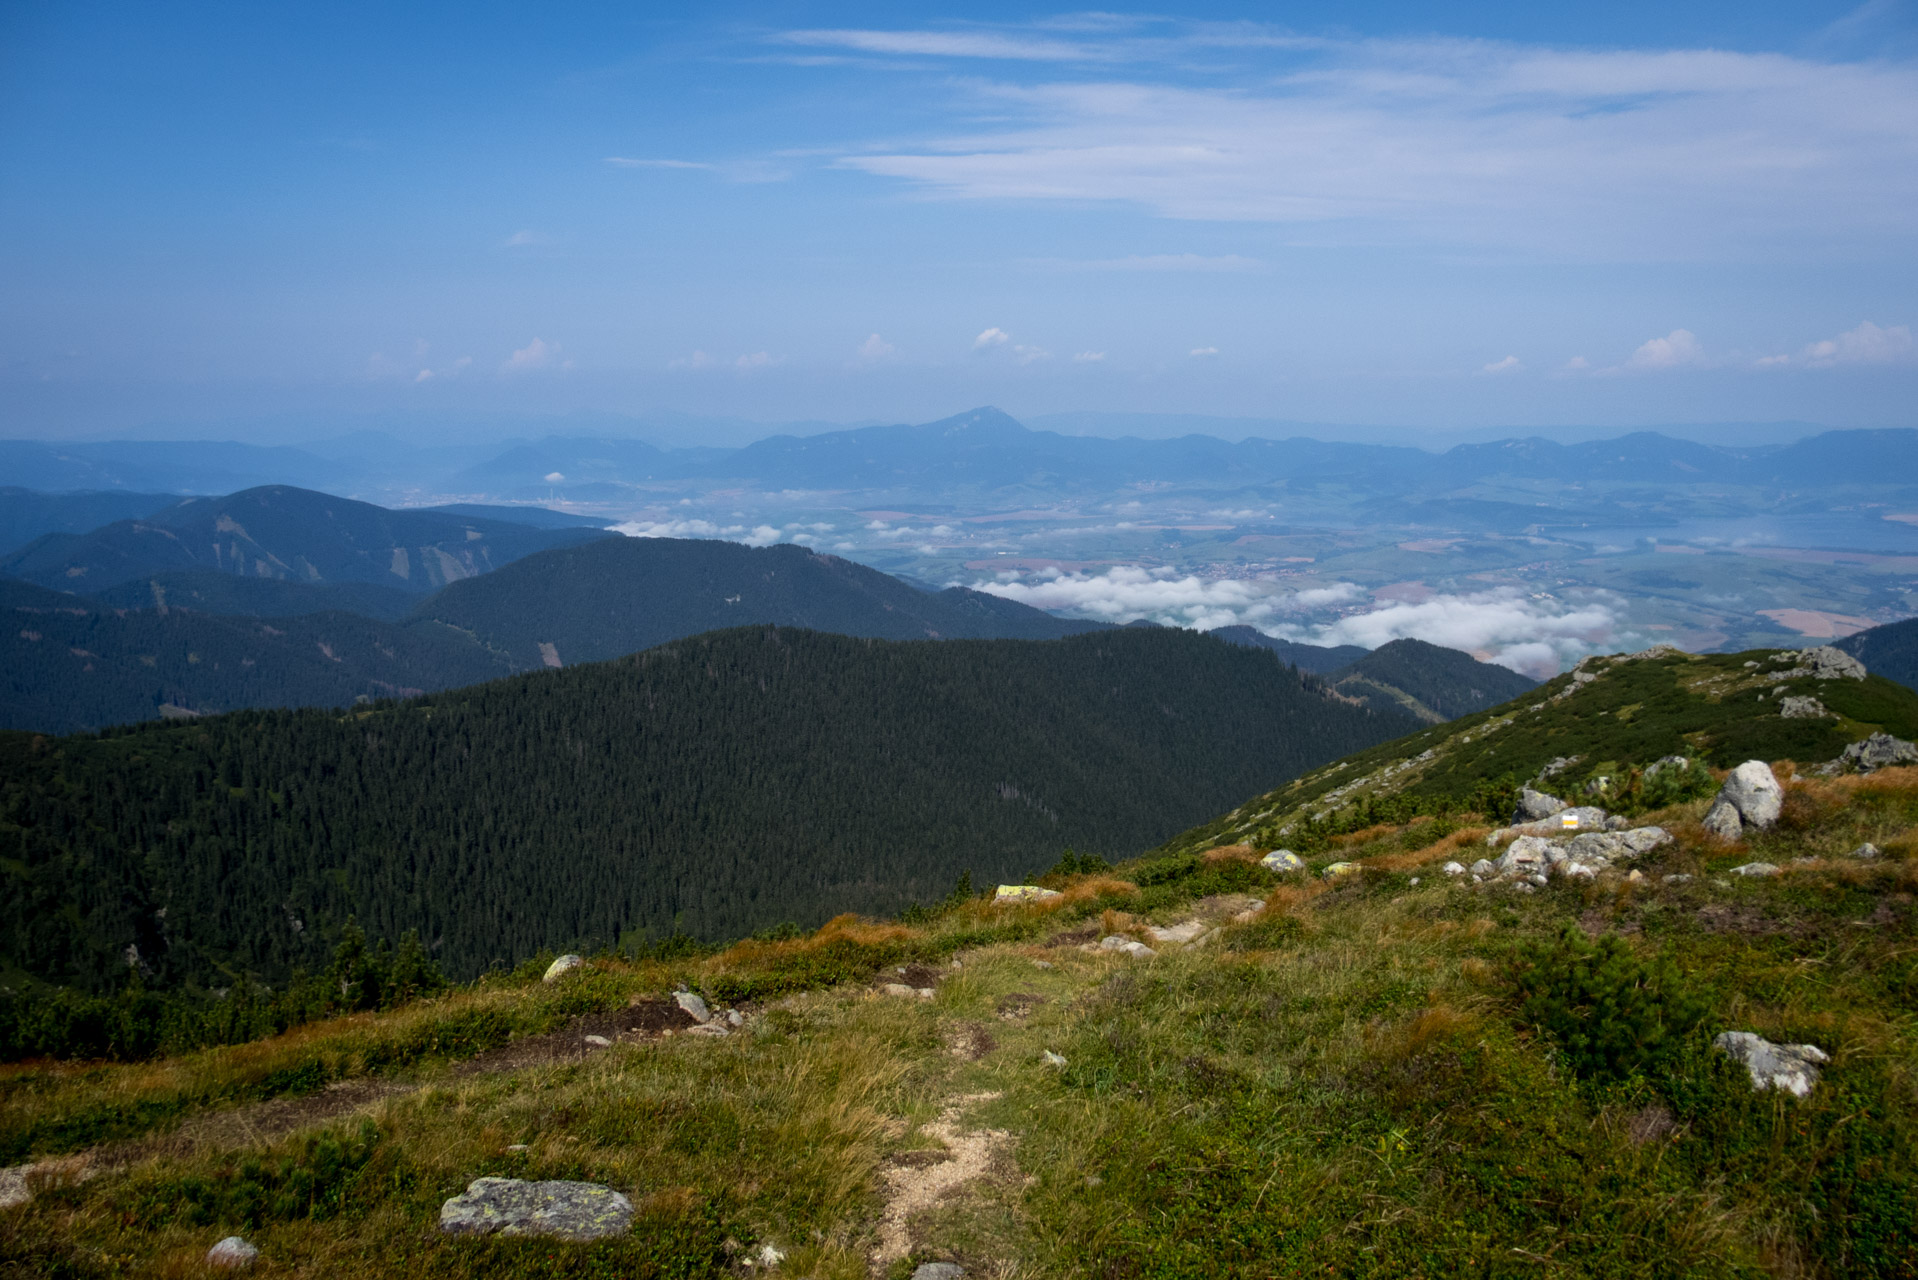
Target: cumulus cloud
993,337
1535,636
875,349
1506,626
1510,364
1127,593
535,355
555,477
1577,364
1675,350
1867,344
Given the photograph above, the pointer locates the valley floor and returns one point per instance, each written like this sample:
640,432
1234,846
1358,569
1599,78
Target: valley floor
1332,1076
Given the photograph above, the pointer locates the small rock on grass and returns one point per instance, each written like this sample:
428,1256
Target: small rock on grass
938,1271
1052,1059
1791,1067
693,1005
1865,850
234,1251
561,967
567,1210
1755,869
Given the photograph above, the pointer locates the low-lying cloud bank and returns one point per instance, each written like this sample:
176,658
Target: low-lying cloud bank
1537,636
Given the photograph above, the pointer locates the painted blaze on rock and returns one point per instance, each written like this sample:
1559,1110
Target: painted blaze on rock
567,1210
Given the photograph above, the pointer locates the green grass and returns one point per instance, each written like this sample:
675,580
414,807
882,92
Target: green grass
1351,1083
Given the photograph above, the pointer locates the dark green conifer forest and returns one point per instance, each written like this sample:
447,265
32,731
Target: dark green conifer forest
707,787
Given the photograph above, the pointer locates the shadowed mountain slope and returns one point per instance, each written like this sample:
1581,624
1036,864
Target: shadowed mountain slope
26,514
617,596
1430,681
1316,658
1890,651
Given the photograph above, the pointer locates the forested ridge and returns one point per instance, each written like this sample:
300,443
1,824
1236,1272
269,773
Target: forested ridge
712,786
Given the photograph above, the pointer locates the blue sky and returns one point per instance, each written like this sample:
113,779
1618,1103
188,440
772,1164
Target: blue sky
1442,216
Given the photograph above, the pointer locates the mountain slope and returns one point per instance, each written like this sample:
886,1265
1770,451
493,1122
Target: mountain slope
617,596
210,591
1431,682
282,532
68,664
1890,651
1316,658
1590,726
26,514
713,785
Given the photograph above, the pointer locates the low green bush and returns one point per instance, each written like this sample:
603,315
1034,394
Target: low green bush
1611,1013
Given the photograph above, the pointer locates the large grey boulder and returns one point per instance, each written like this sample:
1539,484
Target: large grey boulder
1802,709
939,1271
693,1005
563,966
1827,663
1791,1067
234,1251
1526,856
1879,751
568,1210
1754,792
1534,805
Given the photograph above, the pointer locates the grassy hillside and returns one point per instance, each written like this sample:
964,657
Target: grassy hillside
711,786
1358,1079
1605,720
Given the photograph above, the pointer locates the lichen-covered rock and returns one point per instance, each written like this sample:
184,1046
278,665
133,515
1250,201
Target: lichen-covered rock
567,1210
1879,751
1802,709
1527,855
1484,867
1791,1067
1534,805
1754,792
563,966
1641,840
1023,893
1827,663
1338,869
1723,821
234,1251
1282,860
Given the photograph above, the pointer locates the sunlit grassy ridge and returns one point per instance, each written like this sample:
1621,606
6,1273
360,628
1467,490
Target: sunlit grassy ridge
1341,1084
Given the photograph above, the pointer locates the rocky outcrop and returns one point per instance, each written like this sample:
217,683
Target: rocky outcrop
1879,751
566,1210
1534,806
1802,709
1791,1067
1827,663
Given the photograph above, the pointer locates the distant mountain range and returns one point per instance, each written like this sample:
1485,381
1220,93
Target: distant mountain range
983,450
713,785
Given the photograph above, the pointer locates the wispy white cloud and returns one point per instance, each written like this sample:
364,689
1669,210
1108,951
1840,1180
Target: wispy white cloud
637,162
698,360
1025,354
993,337
874,350
1608,153
1127,593
1153,262
1089,357
1510,364
1205,351
1678,349
754,361
525,238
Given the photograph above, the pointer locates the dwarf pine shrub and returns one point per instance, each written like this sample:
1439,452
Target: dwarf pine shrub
1611,1013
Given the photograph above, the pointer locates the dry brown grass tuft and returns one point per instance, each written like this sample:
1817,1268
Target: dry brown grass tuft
1447,847
1231,853
1095,887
